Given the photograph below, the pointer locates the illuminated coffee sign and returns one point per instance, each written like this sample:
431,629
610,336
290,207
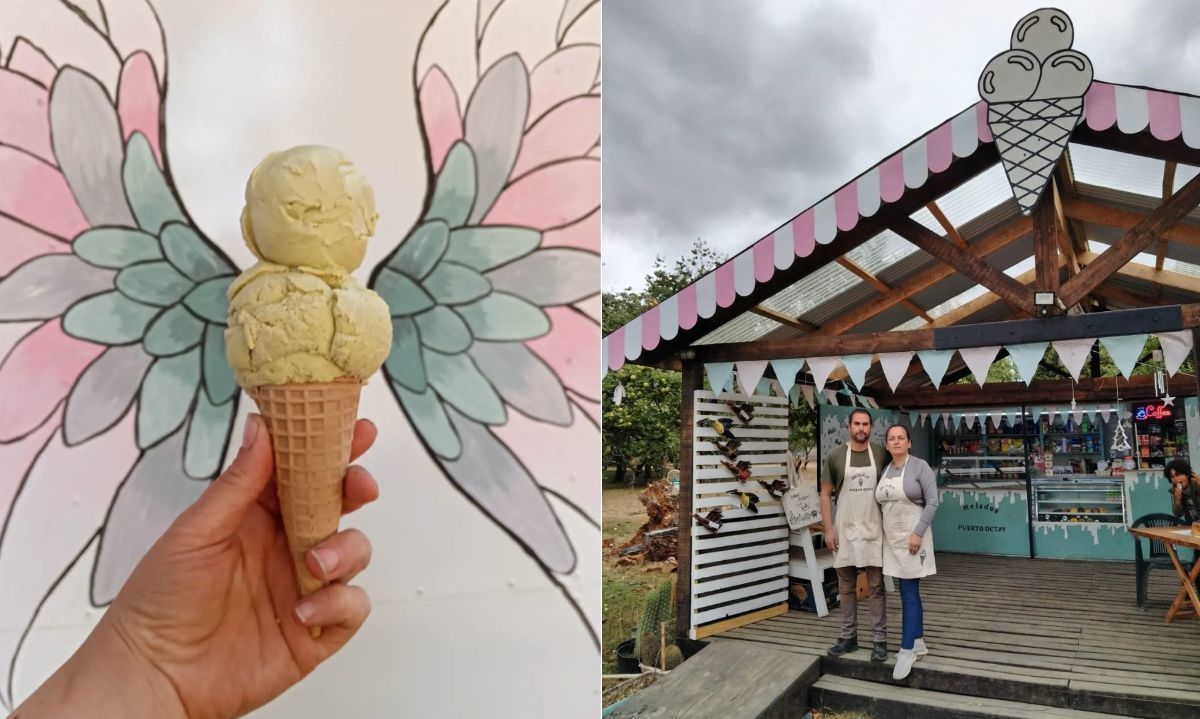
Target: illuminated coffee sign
1153,411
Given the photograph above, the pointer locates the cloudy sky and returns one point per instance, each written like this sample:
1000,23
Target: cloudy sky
724,119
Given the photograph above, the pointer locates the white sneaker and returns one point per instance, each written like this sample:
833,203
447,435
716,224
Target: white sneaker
919,648
904,663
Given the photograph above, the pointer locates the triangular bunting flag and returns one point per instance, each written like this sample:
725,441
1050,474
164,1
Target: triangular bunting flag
1124,351
979,360
786,370
749,372
921,418
764,388
809,395
831,395
1013,418
776,387
856,367
935,363
821,368
1026,358
895,364
854,400
794,396
956,419
1175,347
1072,353
719,375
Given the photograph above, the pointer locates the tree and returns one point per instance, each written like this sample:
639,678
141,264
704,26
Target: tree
802,430
642,433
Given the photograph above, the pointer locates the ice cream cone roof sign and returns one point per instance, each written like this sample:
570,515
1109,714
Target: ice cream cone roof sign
1034,92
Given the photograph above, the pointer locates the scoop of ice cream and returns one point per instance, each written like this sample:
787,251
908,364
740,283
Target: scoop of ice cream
1043,32
293,327
308,207
1011,76
1066,73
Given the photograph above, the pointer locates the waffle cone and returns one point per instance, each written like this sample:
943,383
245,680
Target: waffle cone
311,427
1031,136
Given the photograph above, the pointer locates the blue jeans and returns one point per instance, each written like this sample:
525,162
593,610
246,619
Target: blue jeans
912,615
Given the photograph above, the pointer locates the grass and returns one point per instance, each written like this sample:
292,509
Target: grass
624,588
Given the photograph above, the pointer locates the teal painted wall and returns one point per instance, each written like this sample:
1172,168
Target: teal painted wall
982,522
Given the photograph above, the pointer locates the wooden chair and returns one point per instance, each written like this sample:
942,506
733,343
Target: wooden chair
1157,556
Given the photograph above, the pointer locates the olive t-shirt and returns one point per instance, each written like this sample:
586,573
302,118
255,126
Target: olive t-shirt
833,471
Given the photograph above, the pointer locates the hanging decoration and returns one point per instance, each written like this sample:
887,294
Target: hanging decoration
1120,443
619,394
719,375
741,470
821,368
1026,358
935,363
1073,353
711,521
744,411
1176,346
786,370
857,366
979,360
749,373
809,395
1125,351
775,488
749,500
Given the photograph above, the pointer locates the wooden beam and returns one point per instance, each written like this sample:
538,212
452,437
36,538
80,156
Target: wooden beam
1137,270
1065,242
1168,189
1045,246
999,239
783,319
1113,293
1099,214
983,301
973,266
880,285
1075,228
1088,389
693,379
951,231
1135,240
1095,324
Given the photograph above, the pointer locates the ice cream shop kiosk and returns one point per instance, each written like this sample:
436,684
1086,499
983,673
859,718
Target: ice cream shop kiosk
1019,285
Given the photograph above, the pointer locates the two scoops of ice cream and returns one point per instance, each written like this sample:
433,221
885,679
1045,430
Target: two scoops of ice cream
303,334
298,316
1034,92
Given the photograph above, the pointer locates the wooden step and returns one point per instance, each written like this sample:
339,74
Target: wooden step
728,680
886,701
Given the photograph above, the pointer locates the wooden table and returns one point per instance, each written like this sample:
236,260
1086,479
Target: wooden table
1183,537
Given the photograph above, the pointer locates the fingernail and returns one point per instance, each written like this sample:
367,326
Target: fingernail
327,560
251,431
304,611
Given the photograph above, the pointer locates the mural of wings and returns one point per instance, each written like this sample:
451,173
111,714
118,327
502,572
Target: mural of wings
116,403
493,332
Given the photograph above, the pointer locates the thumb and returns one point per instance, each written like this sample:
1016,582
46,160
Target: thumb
219,511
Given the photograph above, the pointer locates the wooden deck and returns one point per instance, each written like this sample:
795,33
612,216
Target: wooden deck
1050,632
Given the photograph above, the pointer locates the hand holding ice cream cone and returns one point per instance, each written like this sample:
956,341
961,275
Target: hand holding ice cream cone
303,334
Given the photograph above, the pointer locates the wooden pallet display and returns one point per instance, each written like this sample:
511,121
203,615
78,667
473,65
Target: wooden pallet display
739,573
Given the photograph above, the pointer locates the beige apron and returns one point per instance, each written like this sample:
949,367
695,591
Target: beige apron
900,518
857,519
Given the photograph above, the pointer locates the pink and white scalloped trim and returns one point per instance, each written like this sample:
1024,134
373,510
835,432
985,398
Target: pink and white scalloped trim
1132,109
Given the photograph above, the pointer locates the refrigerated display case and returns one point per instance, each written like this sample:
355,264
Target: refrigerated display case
1078,499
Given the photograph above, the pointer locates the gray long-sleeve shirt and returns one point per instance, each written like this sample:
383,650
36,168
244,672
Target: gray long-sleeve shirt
920,487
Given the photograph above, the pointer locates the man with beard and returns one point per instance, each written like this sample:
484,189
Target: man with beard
850,473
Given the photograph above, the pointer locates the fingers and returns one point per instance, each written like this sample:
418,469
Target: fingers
365,433
341,557
220,510
338,609
358,489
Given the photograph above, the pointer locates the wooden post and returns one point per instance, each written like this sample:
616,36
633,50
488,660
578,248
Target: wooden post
1045,245
693,380
1196,359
